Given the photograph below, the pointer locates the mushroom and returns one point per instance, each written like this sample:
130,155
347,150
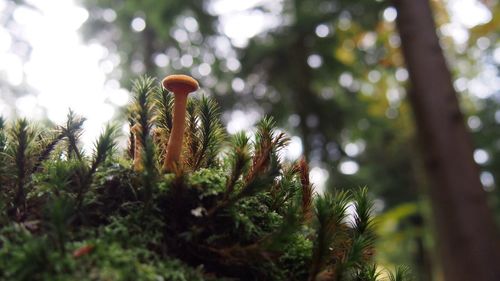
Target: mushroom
180,86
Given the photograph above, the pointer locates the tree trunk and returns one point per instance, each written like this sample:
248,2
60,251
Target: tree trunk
467,238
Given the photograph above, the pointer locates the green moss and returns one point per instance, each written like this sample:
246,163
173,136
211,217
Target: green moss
252,218
210,181
296,257
239,215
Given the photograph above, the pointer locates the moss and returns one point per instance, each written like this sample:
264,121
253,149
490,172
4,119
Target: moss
296,257
238,215
210,182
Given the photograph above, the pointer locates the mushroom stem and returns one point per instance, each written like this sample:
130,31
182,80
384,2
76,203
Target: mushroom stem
181,86
174,146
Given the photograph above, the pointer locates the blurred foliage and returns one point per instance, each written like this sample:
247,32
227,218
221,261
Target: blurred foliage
136,48
13,87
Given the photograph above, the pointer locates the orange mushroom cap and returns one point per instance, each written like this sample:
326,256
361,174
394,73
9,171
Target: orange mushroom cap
181,84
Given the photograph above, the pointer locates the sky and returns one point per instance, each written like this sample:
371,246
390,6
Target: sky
65,73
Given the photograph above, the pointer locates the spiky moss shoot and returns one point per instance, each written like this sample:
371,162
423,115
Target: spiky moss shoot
239,215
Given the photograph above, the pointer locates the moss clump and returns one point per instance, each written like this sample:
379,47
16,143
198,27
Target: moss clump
238,215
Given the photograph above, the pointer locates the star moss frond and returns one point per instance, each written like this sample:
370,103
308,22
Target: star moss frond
211,133
363,219
104,147
144,89
163,102
307,192
73,131
402,273
55,139
3,137
192,136
368,273
22,136
239,160
330,214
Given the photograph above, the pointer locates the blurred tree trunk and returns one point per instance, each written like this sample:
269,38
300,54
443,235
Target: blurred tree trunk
422,258
467,238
